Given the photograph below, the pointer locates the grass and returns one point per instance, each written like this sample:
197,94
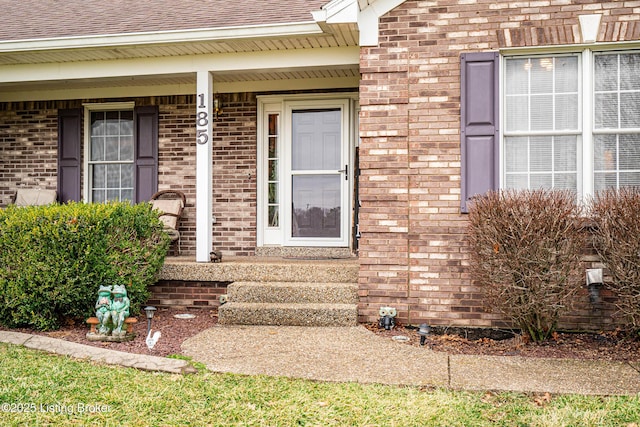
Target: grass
57,390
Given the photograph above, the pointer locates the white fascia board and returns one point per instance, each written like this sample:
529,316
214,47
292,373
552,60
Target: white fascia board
161,37
338,12
243,61
368,19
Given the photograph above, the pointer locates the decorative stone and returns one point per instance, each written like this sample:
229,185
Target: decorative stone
184,316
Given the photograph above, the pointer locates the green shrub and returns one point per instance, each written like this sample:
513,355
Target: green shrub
616,216
526,251
54,258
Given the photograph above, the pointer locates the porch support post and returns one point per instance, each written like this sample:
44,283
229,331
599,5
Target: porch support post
204,165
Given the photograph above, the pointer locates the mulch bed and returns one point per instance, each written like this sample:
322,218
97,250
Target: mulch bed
604,346
174,331
617,345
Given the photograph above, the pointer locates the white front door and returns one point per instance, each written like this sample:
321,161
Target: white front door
306,200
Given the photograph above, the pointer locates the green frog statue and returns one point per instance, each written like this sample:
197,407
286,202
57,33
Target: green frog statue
112,310
119,309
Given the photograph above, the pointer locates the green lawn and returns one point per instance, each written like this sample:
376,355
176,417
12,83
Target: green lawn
43,389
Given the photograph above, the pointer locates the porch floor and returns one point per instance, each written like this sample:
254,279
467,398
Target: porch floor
261,269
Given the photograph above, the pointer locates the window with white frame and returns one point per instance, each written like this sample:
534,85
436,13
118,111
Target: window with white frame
111,155
616,120
549,141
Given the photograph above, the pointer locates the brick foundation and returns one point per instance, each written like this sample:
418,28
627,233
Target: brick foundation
186,294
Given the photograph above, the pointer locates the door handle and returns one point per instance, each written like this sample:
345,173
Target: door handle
346,172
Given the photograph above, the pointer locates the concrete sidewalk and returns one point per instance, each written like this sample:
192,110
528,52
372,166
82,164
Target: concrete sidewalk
358,355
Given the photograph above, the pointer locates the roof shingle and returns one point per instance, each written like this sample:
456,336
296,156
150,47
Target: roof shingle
43,19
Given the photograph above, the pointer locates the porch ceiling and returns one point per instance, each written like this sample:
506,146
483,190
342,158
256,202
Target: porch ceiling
227,81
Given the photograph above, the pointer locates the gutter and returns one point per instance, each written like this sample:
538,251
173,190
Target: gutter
162,37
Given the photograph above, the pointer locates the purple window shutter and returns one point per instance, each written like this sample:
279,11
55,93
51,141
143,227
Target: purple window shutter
479,134
146,154
69,154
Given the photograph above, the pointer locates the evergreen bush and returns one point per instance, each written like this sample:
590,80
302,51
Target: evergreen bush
54,258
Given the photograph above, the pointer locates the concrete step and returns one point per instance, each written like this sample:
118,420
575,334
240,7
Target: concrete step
243,313
256,269
293,292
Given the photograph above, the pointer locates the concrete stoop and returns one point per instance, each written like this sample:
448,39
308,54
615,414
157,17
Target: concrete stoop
290,304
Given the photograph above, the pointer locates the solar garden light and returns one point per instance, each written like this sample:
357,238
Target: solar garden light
387,317
149,311
423,331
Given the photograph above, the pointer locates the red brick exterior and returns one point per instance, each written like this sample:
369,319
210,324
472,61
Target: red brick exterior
187,294
234,175
28,150
414,250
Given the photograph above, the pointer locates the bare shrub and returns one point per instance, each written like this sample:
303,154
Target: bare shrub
616,214
525,252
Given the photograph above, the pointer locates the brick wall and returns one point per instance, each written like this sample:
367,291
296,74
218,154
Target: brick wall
177,161
413,250
234,175
28,157
28,150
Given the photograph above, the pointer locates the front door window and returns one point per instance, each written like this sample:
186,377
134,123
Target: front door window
316,167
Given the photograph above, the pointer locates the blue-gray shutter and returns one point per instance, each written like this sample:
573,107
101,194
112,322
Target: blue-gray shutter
146,153
69,154
479,119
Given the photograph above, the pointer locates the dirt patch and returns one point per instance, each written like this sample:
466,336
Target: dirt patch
605,346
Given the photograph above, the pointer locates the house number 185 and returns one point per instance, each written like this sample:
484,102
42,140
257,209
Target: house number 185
202,121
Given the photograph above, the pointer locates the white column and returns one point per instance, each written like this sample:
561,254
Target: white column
204,165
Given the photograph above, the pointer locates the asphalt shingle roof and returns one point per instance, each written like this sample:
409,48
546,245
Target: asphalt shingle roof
43,19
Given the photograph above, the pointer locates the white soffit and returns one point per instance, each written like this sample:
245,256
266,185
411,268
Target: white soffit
247,61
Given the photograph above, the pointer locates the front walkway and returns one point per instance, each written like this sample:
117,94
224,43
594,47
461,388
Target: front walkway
358,355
